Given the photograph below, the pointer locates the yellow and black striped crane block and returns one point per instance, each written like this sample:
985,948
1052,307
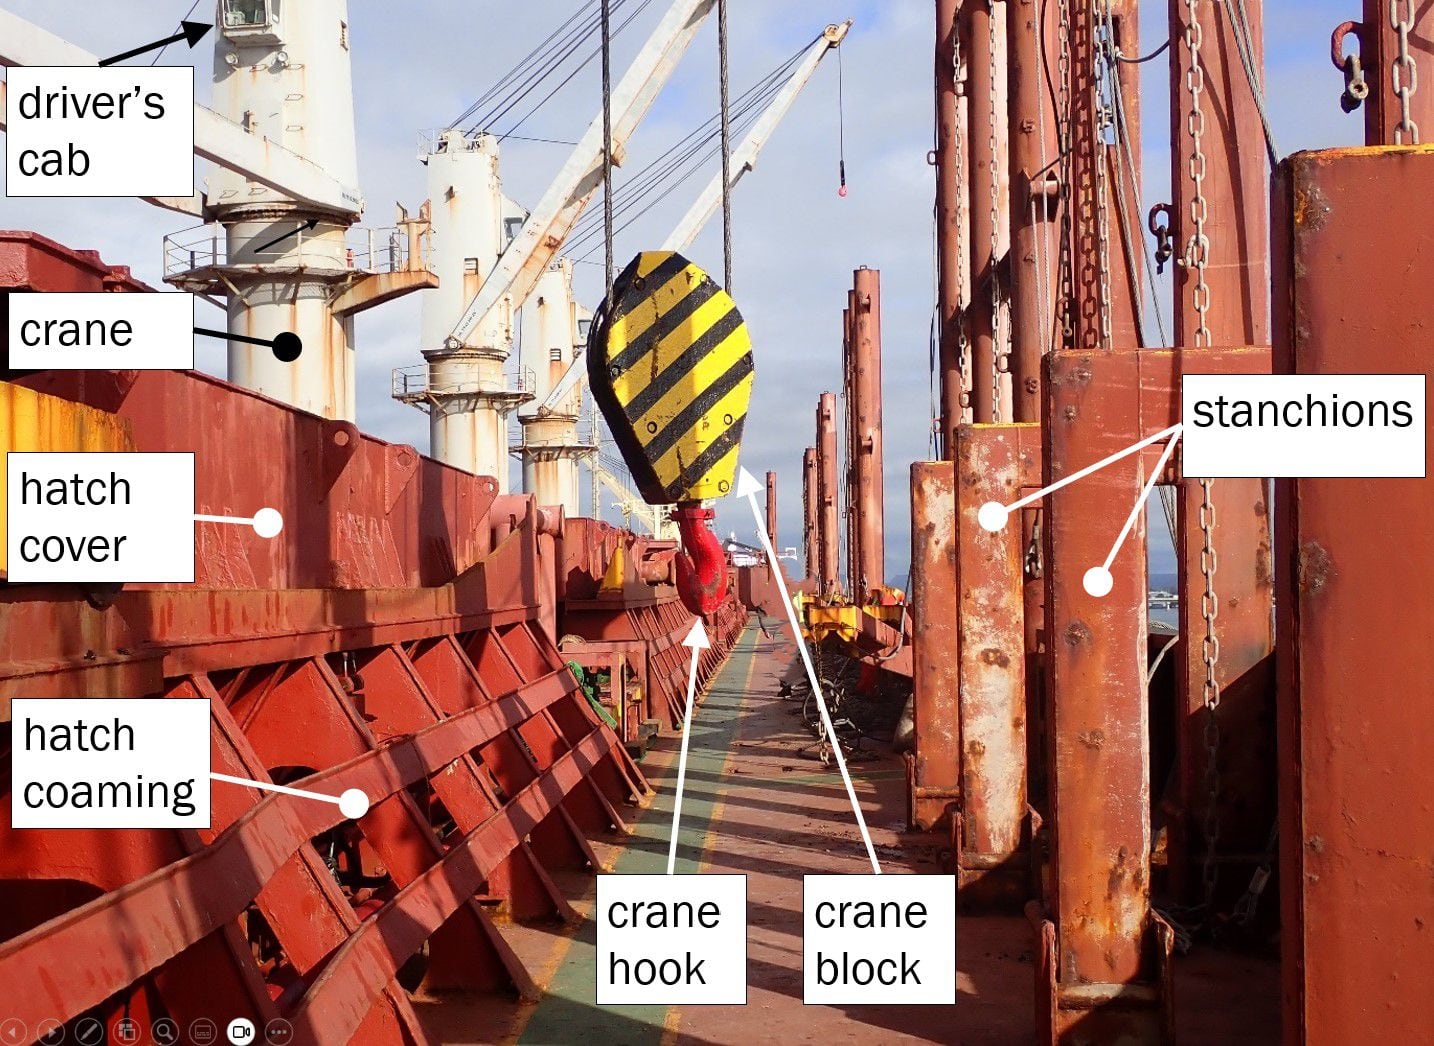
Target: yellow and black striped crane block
670,366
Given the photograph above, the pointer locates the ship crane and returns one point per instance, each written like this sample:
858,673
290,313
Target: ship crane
217,139
286,156
744,159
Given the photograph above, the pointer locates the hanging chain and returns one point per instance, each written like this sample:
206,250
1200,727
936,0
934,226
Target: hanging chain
1103,116
959,84
1197,249
1404,74
1210,691
995,216
1065,264
1197,258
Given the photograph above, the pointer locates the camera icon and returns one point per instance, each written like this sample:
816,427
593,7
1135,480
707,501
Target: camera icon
241,1031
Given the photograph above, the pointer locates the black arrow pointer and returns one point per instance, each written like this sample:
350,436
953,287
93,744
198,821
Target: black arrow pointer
286,345
310,224
193,33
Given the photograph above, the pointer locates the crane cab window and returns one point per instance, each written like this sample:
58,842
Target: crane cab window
247,14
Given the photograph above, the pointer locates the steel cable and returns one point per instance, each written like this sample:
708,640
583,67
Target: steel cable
607,144
653,176
691,147
580,67
1245,46
674,167
627,202
722,63
522,65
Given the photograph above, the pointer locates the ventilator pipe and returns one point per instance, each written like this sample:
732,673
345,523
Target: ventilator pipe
701,563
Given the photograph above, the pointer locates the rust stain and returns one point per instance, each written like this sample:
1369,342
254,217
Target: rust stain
993,656
1314,567
1118,874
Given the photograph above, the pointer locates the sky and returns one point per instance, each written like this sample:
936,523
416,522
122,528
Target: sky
418,64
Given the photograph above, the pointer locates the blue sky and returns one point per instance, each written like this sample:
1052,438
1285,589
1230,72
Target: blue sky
420,63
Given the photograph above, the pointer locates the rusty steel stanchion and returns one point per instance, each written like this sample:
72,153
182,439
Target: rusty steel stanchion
864,424
987,202
772,507
952,222
828,537
810,508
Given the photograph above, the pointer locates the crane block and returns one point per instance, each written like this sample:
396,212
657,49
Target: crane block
670,365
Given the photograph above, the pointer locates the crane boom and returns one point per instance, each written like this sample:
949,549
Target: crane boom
542,235
744,158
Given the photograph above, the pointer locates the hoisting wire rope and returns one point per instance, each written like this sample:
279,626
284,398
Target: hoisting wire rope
683,159
541,63
535,66
841,125
633,200
630,207
180,27
1245,46
606,49
723,69
642,6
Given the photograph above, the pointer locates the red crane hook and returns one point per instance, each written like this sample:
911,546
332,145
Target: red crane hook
701,563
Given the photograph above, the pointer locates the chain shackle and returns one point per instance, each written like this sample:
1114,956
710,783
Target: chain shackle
1356,87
